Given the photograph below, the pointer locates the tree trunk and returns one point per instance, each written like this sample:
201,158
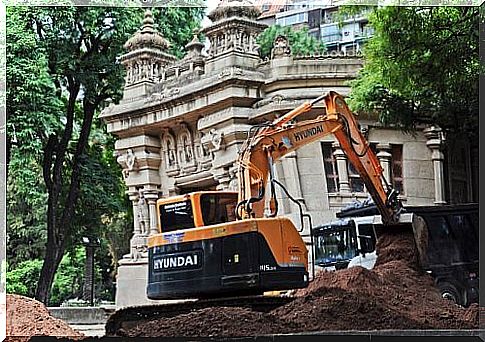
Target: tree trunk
53,257
59,221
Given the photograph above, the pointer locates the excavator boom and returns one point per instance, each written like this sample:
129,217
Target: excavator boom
281,137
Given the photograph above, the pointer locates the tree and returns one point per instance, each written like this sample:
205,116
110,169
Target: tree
32,114
81,45
67,284
32,107
422,66
300,41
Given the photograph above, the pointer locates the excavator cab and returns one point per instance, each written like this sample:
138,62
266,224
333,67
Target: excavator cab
196,209
201,251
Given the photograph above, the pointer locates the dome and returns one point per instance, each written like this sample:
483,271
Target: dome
147,36
234,8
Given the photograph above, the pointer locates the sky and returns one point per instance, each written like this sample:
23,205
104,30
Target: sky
211,4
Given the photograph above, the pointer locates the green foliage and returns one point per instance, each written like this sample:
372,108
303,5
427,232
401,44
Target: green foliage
422,65
300,41
69,278
32,114
177,25
26,210
23,278
62,67
32,107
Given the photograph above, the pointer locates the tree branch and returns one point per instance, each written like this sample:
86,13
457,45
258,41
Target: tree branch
47,162
94,44
77,162
73,88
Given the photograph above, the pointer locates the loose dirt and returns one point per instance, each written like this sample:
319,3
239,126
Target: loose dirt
27,317
396,294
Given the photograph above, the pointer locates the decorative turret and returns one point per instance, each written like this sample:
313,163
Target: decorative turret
194,48
234,8
146,59
234,31
147,36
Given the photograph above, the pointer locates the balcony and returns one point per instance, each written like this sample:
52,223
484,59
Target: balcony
331,37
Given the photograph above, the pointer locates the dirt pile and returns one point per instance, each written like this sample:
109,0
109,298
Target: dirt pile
27,317
212,322
396,294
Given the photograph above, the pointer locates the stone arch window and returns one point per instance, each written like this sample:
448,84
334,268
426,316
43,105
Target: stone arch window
185,148
169,151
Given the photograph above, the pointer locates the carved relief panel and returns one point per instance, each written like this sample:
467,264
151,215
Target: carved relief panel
169,152
185,150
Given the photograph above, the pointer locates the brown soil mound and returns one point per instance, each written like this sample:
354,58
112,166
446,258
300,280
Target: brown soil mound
27,317
209,322
356,278
396,294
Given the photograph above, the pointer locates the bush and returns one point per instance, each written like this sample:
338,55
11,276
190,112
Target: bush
67,284
23,279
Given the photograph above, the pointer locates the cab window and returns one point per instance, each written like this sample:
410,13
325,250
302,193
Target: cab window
334,246
218,208
367,238
175,216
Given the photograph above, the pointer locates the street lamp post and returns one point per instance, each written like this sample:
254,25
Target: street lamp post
88,290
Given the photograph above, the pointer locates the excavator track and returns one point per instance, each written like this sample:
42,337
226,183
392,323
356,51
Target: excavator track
128,318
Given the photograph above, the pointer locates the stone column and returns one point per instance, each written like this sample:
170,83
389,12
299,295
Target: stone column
385,158
152,201
290,168
434,143
343,174
133,196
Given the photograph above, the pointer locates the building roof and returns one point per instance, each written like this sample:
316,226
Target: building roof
271,7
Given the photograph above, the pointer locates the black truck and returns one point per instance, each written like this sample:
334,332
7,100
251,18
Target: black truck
451,255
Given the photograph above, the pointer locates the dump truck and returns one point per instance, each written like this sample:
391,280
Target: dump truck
450,252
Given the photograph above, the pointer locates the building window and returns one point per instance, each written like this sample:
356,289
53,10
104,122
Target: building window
396,172
265,7
330,166
355,182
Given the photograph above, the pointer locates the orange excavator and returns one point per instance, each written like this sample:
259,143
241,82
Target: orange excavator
218,243
227,244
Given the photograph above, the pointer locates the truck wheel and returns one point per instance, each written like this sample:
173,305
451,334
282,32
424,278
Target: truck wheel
450,292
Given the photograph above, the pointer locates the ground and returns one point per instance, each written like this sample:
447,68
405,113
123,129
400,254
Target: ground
396,294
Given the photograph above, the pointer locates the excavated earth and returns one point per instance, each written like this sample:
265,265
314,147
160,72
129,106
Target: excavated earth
27,317
396,294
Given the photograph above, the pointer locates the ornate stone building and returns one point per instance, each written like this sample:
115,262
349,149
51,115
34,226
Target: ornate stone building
180,124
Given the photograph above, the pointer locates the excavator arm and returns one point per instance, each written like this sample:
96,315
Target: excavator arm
268,143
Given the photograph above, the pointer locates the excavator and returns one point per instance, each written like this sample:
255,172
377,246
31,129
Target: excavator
228,248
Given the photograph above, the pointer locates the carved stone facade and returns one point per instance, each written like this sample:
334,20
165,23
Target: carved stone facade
181,123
